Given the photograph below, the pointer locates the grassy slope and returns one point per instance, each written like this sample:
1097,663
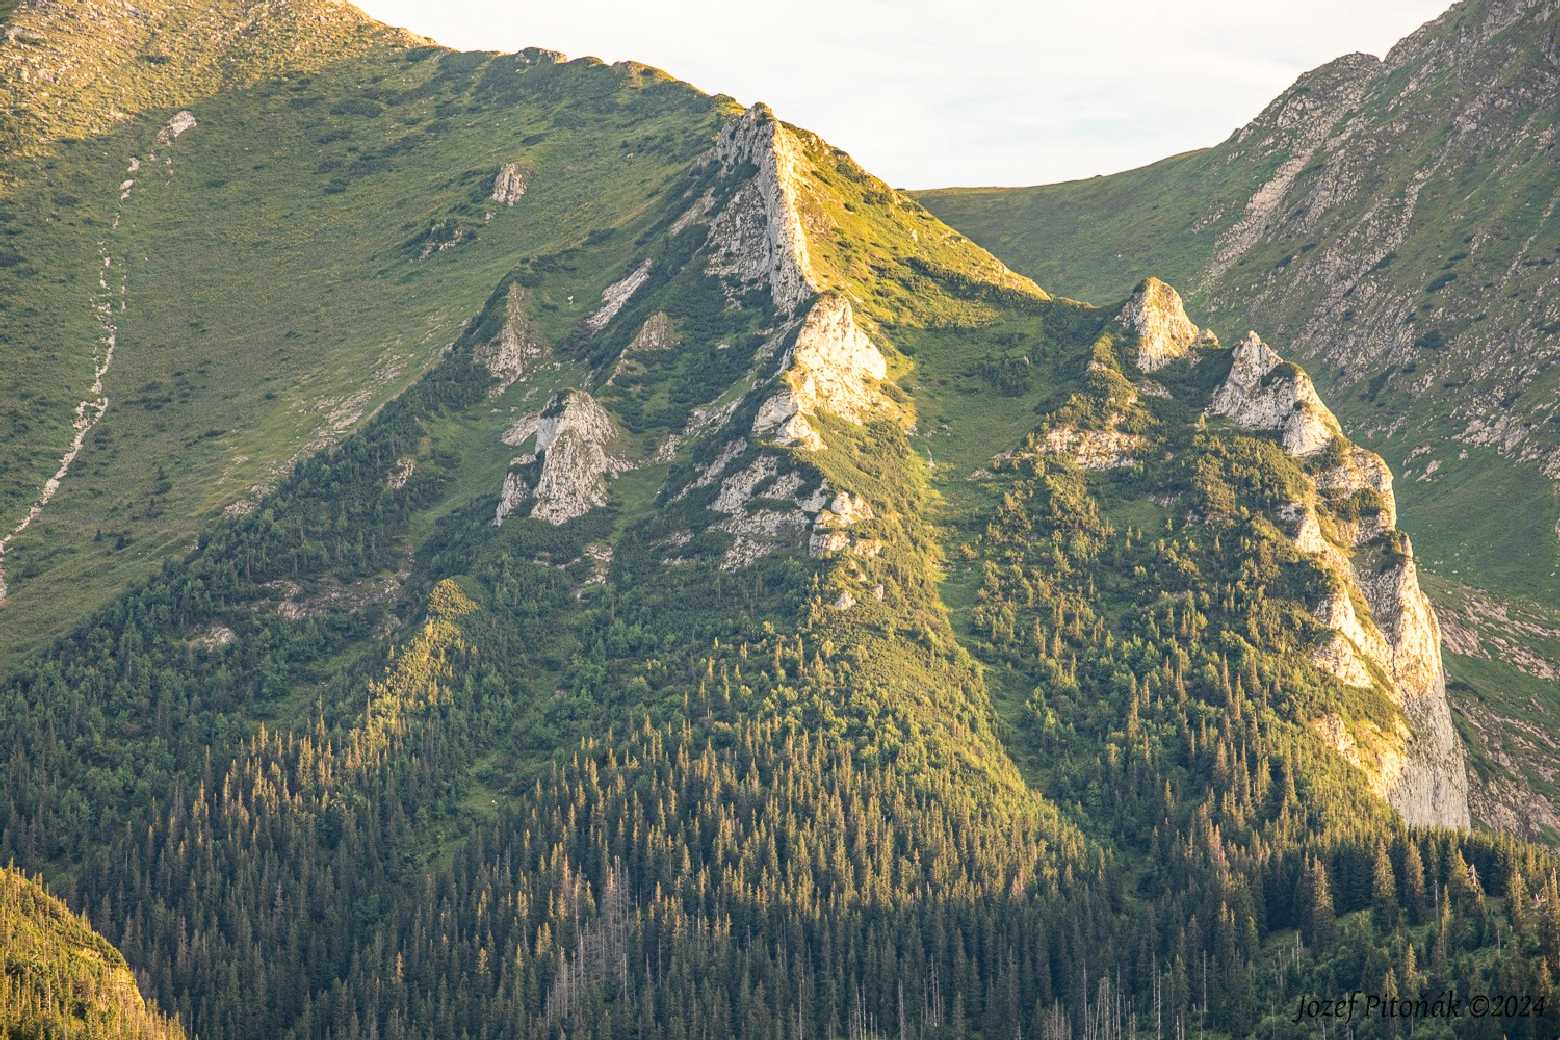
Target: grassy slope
1092,239
271,298
72,72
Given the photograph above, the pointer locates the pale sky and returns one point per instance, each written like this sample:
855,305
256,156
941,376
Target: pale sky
930,93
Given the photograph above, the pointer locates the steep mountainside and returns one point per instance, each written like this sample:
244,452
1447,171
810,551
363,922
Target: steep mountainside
1394,222
334,234
749,609
59,978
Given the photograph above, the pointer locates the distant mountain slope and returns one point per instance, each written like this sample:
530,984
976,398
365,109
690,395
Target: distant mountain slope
59,978
75,68
85,91
1394,222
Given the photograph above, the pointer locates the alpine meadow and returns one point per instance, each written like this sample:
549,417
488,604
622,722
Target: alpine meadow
501,546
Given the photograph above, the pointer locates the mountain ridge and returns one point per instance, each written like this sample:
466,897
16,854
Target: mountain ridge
1391,220
750,609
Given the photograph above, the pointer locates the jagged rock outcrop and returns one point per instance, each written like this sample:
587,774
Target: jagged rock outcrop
400,473
508,184
1094,449
1265,392
756,238
181,121
517,349
1155,314
656,334
1381,627
539,56
832,527
768,507
614,296
566,475
442,236
831,366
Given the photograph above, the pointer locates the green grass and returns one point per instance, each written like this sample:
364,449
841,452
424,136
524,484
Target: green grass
1483,522
1094,239
268,312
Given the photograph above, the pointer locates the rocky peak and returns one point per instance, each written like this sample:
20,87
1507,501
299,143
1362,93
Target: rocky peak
517,348
756,239
539,56
831,366
1463,27
1318,91
1265,392
1155,314
566,475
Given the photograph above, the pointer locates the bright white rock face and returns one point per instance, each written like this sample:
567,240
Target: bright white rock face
756,239
1155,314
616,295
831,367
1264,392
566,476
517,349
508,185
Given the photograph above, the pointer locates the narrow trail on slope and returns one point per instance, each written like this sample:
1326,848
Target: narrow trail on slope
89,411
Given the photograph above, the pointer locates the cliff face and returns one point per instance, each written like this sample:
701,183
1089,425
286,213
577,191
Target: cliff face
1266,393
831,366
517,349
728,485
1382,628
1375,268
757,238
566,473
1155,315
